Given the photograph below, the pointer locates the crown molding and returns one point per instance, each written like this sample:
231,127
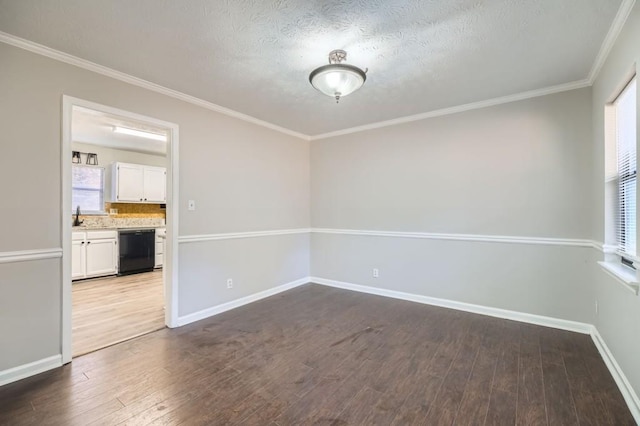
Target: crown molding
109,72
605,49
610,38
460,108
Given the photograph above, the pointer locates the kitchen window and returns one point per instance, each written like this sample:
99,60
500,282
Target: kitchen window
87,189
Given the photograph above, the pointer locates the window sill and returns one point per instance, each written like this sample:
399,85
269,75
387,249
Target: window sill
622,274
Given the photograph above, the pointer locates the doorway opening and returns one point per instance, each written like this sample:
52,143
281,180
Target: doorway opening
119,209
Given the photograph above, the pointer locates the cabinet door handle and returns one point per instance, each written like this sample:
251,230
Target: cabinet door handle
82,243
88,242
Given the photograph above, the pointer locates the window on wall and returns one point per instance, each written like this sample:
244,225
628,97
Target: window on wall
620,187
87,190
624,108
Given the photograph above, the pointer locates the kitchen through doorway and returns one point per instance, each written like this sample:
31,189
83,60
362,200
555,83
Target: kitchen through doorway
118,196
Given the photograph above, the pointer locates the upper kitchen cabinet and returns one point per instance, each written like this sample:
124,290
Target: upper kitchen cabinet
155,184
137,183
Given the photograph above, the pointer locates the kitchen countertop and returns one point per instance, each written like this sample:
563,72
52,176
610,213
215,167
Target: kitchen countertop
113,228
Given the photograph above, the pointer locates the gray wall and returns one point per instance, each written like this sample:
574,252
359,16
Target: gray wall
242,176
517,169
529,168
618,320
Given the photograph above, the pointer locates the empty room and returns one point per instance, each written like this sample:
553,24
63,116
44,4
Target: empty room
299,212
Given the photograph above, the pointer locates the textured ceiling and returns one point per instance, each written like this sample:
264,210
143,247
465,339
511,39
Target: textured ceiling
255,56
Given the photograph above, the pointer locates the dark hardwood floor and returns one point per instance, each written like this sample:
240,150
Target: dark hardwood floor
318,355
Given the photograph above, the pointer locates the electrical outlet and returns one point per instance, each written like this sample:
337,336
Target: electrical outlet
192,205
376,273
229,283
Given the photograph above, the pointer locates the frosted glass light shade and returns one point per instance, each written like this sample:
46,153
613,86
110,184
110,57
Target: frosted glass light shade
337,80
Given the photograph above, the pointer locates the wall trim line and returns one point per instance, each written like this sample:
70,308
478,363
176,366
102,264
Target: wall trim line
612,35
235,235
579,84
461,237
227,306
31,369
127,78
558,323
509,239
29,255
630,396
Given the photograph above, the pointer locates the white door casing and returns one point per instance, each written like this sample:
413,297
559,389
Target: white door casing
170,267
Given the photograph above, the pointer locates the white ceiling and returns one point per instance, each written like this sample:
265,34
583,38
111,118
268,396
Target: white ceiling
255,56
96,128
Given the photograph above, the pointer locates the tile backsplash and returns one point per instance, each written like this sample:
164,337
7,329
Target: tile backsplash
130,210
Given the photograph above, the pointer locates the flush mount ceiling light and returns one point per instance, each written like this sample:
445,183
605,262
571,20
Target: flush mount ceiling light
337,79
139,133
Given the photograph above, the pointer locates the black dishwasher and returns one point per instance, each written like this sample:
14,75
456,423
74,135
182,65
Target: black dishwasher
137,251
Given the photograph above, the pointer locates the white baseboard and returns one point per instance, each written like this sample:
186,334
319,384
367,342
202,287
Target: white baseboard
23,371
630,397
562,324
218,309
625,387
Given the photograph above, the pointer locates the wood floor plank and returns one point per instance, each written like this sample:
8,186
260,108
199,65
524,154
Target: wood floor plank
475,401
559,398
110,310
445,407
502,408
319,355
531,401
506,376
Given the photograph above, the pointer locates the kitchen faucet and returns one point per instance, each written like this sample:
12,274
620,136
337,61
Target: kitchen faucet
77,221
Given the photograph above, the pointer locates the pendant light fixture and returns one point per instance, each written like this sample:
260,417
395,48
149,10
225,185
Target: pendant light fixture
337,79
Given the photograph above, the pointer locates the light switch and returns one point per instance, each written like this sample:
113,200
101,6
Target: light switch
192,204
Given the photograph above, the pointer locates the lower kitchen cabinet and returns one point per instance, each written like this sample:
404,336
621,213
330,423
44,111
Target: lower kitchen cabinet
78,256
94,254
160,234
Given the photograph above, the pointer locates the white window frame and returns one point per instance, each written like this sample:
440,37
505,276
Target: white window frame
613,262
102,193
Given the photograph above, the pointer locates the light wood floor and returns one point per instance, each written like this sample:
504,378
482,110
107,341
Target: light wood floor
114,309
316,355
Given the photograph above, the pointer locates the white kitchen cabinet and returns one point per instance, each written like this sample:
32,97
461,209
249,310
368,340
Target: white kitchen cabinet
101,257
128,182
160,234
137,183
94,254
155,184
78,255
